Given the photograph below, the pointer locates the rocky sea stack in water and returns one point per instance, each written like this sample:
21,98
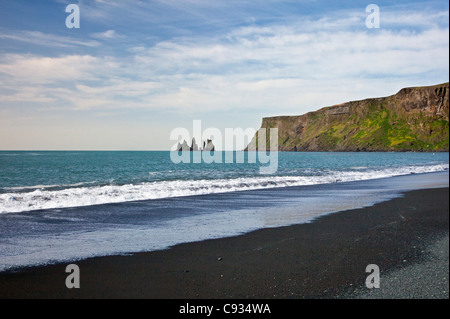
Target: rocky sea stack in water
414,119
208,146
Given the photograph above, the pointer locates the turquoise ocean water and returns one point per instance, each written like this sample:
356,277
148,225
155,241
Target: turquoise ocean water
41,180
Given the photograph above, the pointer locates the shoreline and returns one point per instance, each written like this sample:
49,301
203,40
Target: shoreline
322,259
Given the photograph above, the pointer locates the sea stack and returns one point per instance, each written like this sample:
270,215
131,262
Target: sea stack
207,146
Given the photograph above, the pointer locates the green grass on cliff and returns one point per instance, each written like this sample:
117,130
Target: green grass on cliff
383,129
378,129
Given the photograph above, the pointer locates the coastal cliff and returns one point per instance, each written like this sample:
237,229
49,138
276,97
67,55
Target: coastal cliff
414,119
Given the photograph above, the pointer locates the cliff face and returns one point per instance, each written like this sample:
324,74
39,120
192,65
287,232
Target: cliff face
414,119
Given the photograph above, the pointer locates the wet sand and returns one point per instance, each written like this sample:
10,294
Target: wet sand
323,259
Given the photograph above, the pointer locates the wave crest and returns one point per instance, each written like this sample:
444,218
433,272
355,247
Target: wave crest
42,198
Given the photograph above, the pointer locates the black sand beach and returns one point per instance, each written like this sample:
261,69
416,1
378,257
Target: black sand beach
323,259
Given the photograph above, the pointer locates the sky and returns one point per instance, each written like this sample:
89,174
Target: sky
135,70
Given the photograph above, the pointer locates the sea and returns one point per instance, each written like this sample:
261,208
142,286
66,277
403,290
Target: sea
64,206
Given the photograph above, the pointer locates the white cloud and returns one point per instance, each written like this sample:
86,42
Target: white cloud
25,69
413,18
27,94
107,35
285,66
45,39
122,88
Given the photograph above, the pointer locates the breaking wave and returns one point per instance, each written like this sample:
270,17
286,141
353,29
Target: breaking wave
47,197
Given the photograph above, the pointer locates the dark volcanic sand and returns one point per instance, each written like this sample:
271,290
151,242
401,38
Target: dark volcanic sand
323,259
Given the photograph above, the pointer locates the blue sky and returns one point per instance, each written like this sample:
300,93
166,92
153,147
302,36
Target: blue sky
136,70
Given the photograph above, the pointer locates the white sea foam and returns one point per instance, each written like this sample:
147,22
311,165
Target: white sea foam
42,198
